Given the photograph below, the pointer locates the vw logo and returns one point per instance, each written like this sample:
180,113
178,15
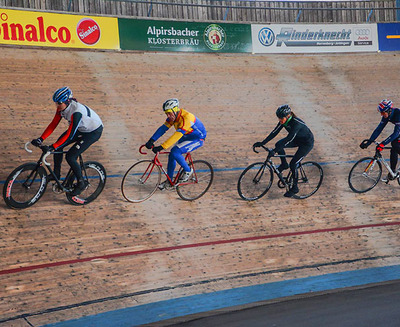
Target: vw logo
362,31
266,36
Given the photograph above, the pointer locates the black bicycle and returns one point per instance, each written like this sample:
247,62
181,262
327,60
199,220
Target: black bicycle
256,180
27,183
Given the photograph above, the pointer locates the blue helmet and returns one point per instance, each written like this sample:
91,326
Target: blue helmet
62,95
385,106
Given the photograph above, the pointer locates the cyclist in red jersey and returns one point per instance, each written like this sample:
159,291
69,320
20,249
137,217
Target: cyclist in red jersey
85,128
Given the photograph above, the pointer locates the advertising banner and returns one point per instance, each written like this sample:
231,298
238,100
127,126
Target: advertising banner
20,27
301,38
389,36
150,35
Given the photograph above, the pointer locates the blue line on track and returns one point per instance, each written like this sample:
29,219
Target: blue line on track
153,312
242,168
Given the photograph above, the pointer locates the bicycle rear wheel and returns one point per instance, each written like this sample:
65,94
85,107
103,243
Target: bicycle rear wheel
25,186
141,181
255,181
94,175
310,179
199,182
365,174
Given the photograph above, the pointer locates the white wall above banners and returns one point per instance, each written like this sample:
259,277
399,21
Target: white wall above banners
308,38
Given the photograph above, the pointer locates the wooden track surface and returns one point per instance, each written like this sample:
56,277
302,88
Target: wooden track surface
53,265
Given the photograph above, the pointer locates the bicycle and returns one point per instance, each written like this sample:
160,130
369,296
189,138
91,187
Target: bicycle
142,179
256,180
27,183
366,172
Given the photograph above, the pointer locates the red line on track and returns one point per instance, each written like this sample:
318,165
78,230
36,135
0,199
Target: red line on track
194,245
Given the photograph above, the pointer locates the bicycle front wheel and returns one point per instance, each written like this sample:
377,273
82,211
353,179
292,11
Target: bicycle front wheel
365,174
94,175
255,181
141,181
25,186
199,182
310,179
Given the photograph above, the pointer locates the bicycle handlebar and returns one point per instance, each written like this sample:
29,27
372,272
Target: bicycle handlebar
26,147
140,149
44,157
377,143
264,147
142,146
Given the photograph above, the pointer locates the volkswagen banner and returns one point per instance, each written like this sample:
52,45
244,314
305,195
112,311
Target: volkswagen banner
301,38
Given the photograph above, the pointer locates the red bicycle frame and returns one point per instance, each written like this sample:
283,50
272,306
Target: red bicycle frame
157,162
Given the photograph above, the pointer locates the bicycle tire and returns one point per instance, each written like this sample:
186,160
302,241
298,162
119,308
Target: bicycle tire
199,183
95,177
255,181
311,175
16,193
364,175
132,186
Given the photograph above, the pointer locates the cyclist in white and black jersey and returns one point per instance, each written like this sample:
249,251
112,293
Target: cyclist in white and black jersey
85,128
299,136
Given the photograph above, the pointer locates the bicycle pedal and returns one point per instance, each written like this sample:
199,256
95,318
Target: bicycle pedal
56,189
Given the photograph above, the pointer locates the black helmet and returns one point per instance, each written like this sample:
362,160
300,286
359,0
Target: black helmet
283,111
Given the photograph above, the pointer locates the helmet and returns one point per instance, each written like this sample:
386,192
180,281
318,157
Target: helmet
62,95
283,111
385,106
170,104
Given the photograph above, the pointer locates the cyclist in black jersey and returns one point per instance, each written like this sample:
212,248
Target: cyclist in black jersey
389,114
299,136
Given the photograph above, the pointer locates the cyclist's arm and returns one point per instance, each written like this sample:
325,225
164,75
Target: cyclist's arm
289,138
72,129
185,124
274,133
378,130
161,131
173,139
394,135
52,126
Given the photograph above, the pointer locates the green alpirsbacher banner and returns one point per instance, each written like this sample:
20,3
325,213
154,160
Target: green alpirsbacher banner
152,35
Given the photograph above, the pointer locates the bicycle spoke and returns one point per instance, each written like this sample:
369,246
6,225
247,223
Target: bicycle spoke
310,179
140,181
364,175
199,183
255,181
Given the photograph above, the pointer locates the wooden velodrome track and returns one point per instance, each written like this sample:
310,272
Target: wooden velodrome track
60,262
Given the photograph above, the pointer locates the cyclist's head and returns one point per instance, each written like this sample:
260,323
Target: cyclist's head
385,106
62,95
283,111
171,106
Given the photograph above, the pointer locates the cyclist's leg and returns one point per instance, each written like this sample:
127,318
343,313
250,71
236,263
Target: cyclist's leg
82,142
58,158
394,153
301,152
284,165
185,145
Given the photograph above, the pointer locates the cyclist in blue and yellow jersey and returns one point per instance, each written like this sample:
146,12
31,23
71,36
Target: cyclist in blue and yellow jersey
189,135
389,114
85,128
299,136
